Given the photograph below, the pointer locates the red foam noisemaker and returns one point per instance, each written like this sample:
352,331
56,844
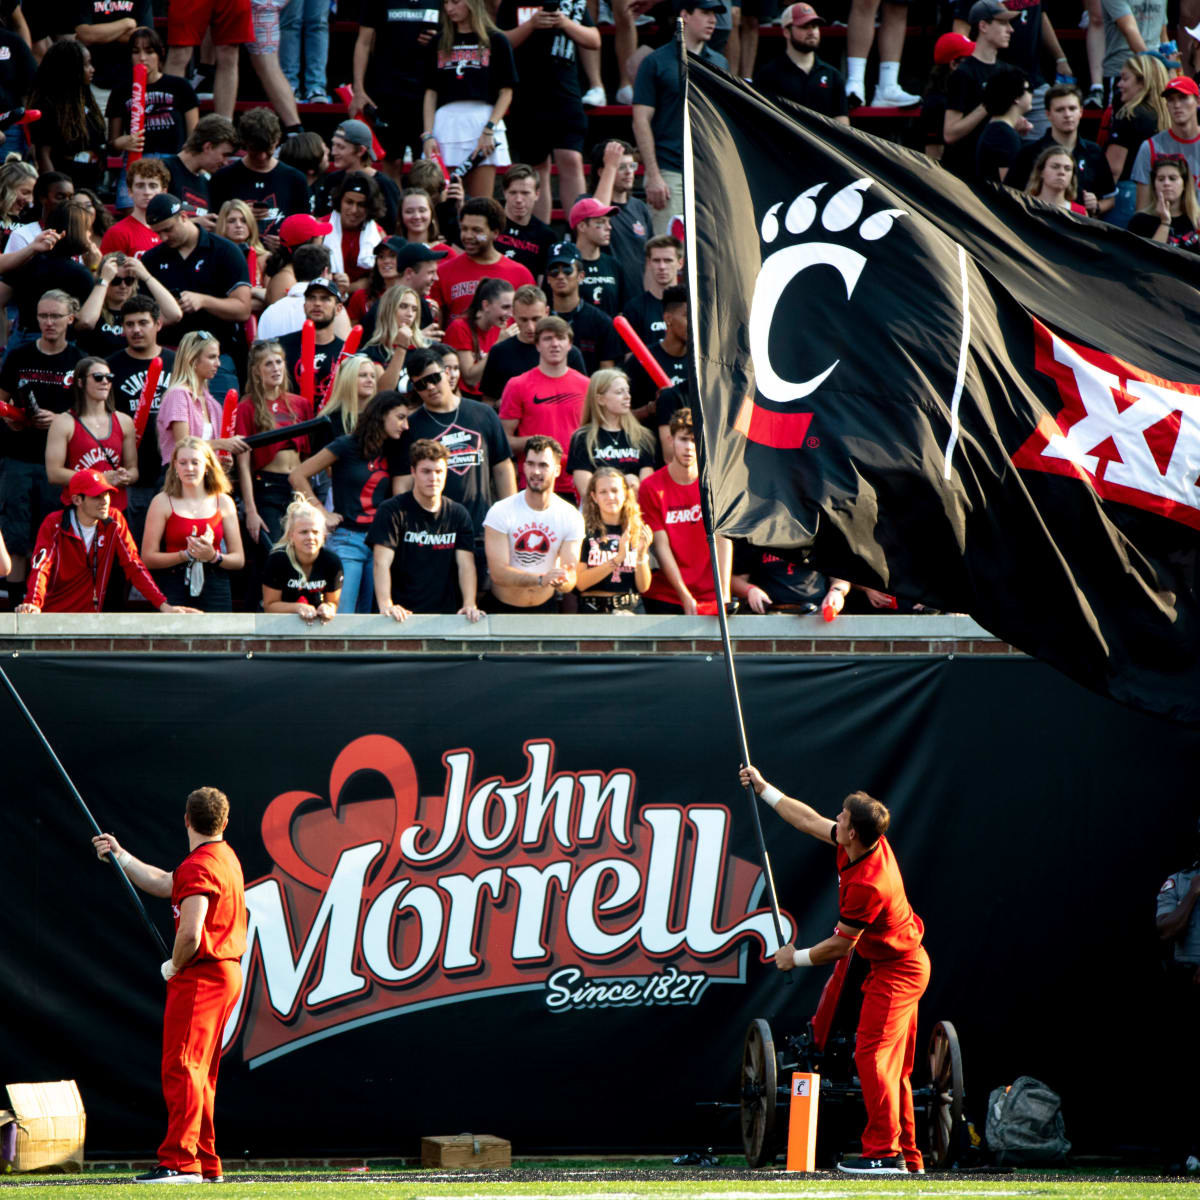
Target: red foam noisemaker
308,357
654,369
137,108
153,372
12,413
353,339
229,413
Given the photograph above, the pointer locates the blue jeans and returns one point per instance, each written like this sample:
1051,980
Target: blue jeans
307,20
358,578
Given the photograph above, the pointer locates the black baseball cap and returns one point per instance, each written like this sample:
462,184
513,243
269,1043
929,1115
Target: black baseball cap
163,207
409,254
563,252
323,285
707,5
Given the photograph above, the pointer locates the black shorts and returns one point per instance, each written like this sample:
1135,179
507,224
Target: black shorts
26,499
537,134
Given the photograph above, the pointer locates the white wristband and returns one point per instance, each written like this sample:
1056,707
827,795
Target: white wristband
123,859
802,958
772,795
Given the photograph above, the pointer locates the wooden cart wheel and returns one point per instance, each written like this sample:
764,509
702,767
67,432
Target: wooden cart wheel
946,1127
760,1093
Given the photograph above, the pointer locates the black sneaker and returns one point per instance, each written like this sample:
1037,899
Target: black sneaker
1094,97
162,1174
856,1164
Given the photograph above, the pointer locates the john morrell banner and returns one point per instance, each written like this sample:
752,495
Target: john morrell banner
520,895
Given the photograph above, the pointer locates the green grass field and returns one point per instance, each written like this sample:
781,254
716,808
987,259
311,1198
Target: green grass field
417,1185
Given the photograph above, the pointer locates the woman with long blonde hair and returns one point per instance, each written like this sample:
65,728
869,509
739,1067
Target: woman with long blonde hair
192,540
1139,112
355,386
263,474
471,91
237,223
615,565
188,408
397,330
610,434
302,575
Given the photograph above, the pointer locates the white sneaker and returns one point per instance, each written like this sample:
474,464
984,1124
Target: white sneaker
625,94
893,97
595,98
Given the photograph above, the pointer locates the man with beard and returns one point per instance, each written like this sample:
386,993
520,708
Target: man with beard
322,303
798,74
140,322
533,538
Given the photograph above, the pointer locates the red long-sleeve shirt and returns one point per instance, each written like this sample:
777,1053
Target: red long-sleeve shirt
67,576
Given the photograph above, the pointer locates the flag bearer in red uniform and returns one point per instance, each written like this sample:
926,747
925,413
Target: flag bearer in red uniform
203,976
875,918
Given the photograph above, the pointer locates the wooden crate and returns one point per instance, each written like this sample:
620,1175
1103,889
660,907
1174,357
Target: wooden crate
466,1151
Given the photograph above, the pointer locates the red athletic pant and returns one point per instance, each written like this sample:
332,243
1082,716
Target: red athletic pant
884,1052
199,1001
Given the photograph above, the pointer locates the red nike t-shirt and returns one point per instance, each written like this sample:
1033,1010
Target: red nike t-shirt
871,897
542,403
213,870
675,508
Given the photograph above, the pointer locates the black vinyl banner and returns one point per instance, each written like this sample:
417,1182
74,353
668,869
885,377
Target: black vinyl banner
961,396
520,895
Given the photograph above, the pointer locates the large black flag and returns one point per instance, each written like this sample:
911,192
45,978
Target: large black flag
970,400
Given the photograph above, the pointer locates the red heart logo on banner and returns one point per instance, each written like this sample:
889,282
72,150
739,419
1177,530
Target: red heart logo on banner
373,752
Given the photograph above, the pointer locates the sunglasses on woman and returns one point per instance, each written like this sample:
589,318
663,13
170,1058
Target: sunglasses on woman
100,378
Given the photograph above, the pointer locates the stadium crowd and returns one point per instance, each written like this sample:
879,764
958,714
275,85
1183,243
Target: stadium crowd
181,290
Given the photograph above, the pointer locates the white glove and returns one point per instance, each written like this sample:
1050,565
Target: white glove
169,969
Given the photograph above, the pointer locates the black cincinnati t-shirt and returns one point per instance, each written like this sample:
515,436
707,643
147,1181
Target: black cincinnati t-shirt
323,578
600,548
323,359
613,449
425,567
784,581
645,314
595,338
33,381
603,284
526,244
359,487
129,379
282,190
643,389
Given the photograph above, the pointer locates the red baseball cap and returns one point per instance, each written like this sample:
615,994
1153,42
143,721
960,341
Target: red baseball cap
86,483
799,14
1182,83
300,228
952,46
587,208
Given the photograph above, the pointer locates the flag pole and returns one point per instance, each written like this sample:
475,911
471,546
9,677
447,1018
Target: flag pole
689,222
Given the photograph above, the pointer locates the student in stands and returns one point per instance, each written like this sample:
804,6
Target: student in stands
469,80
457,278
423,544
192,540
614,168
302,575
517,354
610,435
1174,218
670,500
208,148
132,235
486,321
352,391
361,482
1055,179
92,435
396,333
614,568
1139,112
664,262
263,473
